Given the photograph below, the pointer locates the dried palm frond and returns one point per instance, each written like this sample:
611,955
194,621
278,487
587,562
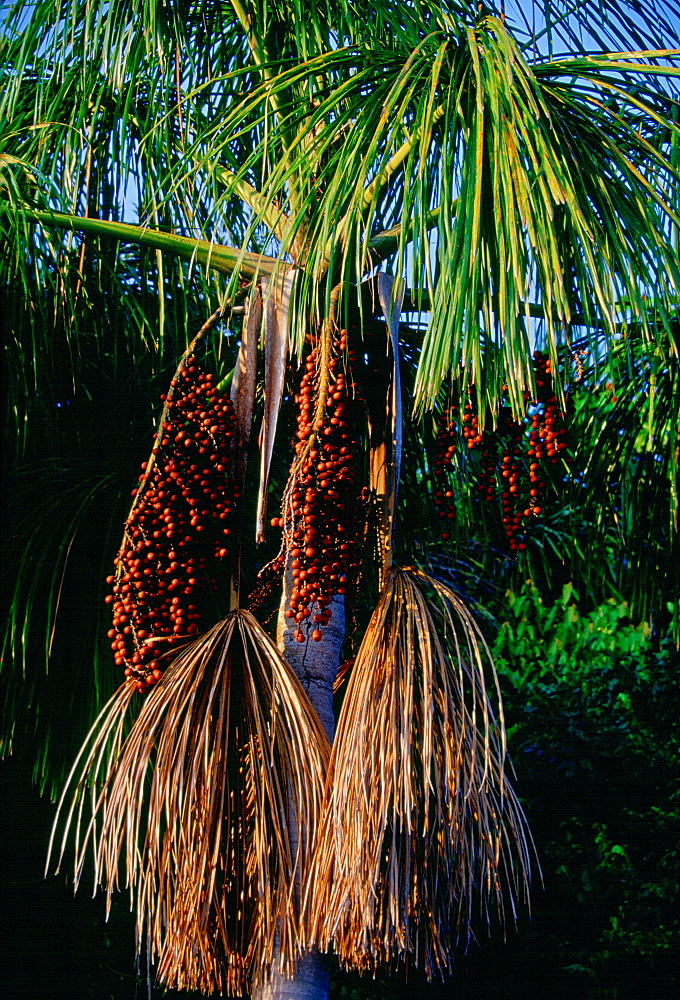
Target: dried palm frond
212,801
275,354
420,826
91,769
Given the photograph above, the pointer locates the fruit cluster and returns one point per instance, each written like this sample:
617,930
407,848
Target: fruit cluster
548,433
511,432
319,510
175,534
447,446
444,462
486,476
505,454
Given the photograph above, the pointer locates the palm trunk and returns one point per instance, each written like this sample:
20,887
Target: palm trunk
310,983
316,665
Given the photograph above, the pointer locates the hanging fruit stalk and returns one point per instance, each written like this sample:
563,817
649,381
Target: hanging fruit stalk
512,431
275,354
385,421
502,467
446,447
320,505
177,530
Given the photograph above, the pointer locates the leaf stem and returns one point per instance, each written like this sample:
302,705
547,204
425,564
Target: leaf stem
272,216
220,258
262,58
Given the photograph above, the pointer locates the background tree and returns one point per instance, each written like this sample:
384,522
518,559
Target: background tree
514,169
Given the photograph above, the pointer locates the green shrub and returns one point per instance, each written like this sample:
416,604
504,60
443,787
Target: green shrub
591,706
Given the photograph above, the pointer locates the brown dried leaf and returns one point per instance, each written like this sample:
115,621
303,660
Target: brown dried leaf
419,821
212,802
275,354
243,385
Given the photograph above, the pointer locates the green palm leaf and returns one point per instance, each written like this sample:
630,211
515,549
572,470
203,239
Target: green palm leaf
625,479
57,668
535,184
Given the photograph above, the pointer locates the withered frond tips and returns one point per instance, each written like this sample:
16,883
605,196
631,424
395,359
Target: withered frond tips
243,844
421,831
202,803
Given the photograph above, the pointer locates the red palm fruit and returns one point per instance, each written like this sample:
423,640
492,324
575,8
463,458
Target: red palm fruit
548,434
185,489
444,464
319,516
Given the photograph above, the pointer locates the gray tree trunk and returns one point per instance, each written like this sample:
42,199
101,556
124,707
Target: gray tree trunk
316,665
310,983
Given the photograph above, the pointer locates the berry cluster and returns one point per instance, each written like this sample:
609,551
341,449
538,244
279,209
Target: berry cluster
511,432
471,432
548,433
486,475
444,462
504,456
175,534
318,514
447,444
578,366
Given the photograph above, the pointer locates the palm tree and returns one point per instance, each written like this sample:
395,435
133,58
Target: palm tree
416,229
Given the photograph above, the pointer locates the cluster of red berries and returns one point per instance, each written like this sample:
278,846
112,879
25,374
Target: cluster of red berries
444,463
486,477
512,433
471,432
175,533
548,433
446,453
318,516
447,445
504,455
577,357
547,437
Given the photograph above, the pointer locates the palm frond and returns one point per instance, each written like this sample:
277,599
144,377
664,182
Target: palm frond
211,803
420,825
213,255
546,198
532,161
606,25
55,657
533,169
624,490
